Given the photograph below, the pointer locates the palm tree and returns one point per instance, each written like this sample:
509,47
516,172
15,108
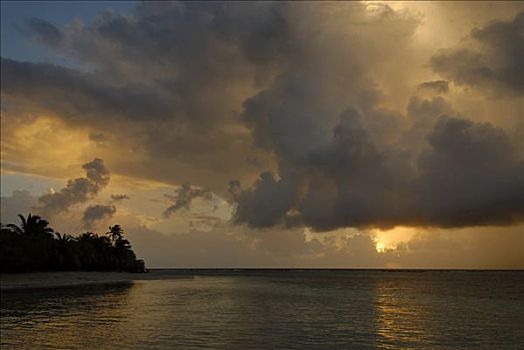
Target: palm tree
87,237
34,246
34,225
115,234
4,229
63,238
122,244
88,251
61,247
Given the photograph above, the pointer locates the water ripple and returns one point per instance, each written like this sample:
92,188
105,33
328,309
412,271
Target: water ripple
275,310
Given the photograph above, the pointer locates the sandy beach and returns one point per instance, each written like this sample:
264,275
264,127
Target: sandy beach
16,281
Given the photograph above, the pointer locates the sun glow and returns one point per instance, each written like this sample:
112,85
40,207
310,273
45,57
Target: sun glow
387,240
379,246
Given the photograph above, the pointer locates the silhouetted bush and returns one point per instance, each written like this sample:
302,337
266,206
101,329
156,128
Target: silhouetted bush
34,246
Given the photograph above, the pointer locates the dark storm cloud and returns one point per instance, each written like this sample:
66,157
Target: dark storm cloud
346,182
352,179
183,196
156,62
201,87
266,203
97,212
51,86
471,175
76,191
468,174
167,79
350,162
423,112
494,63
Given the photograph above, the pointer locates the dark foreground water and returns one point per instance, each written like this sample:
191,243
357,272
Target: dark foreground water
291,309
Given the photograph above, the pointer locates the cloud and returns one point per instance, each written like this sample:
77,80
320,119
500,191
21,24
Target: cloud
170,110
119,197
471,175
346,161
144,77
266,203
493,63
91,96
195,249
286,242
97,212
439,86
19,202
342,182
44,31
226,246
203,91
183,196
77,191
101,212
467,174
486,247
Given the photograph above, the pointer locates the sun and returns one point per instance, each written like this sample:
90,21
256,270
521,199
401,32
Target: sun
379,246
386,240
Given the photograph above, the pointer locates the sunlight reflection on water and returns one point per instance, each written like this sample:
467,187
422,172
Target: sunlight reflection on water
266,310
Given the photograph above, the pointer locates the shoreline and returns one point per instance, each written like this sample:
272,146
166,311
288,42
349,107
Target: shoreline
44,280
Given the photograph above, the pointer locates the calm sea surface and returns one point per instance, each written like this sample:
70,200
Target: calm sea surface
293,309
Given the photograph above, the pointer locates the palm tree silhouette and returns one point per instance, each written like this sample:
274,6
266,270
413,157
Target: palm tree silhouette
34,246
115,234
63,238
88,249
34,226
62,247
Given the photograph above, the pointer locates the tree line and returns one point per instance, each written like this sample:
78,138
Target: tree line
34,246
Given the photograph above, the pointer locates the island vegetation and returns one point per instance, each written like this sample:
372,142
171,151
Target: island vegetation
34,246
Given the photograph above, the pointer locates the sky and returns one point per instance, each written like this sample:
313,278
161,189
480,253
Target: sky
271,134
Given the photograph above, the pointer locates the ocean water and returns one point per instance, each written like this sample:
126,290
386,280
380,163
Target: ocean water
274,309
